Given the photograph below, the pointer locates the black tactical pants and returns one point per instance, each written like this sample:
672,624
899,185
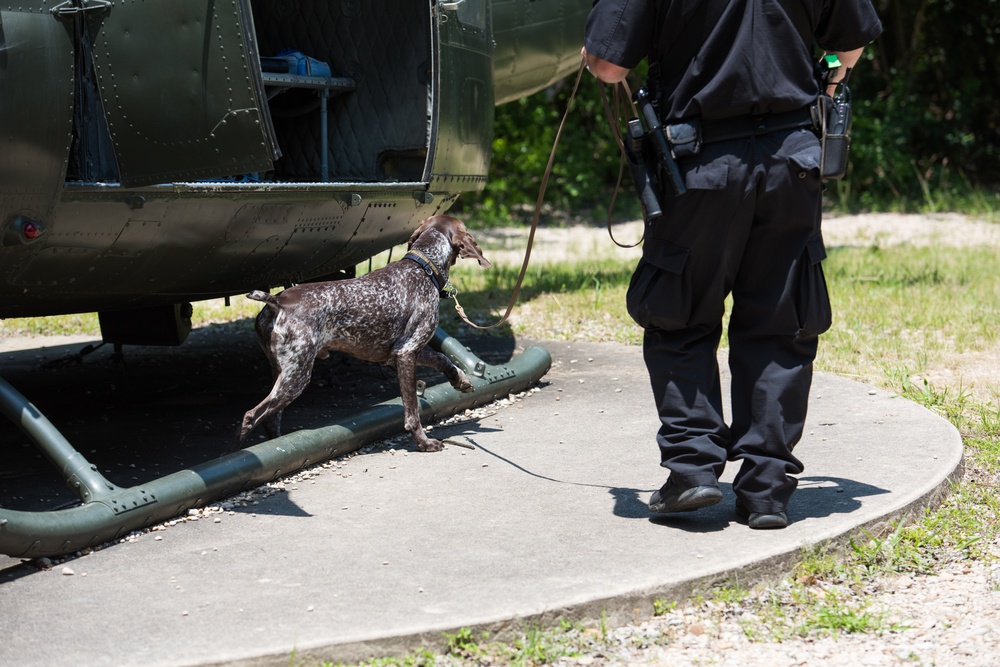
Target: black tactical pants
749,226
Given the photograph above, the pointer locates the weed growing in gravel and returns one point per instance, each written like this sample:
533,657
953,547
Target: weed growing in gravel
836,615
419,658
535,646
463,643
730,595
904,550
661,607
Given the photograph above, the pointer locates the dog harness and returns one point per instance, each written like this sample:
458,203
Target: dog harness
445,289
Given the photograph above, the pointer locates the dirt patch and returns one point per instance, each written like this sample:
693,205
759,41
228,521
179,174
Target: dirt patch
975,372
884,229
573,242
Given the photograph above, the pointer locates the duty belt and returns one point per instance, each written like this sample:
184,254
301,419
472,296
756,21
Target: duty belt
743,127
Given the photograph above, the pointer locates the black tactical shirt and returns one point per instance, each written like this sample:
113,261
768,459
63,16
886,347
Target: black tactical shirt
719,60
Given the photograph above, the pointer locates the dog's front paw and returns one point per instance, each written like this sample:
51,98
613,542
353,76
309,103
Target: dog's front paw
430,445
462,383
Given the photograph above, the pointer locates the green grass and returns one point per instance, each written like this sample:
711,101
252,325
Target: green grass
86,324
898,308
582,301
895,309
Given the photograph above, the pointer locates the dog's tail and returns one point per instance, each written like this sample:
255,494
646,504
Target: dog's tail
258,295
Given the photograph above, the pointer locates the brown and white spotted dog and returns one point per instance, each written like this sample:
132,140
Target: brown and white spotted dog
387,316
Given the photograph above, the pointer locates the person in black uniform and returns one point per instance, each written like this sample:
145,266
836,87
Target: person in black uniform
742,74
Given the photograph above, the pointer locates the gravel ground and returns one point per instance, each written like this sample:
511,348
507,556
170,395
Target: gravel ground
949,619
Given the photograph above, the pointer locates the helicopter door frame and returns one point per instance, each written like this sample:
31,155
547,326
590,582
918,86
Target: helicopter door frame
182,90
461,137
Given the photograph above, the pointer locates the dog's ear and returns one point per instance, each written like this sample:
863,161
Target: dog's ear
468,248
424,224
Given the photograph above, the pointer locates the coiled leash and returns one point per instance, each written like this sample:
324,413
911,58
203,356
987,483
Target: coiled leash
534,220
613,113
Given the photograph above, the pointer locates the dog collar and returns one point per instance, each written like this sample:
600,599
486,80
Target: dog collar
445,288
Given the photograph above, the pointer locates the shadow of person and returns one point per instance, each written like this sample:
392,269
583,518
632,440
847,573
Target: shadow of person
815,498
705,520
628,504
819,497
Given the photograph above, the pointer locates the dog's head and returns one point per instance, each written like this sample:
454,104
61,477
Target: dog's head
462,243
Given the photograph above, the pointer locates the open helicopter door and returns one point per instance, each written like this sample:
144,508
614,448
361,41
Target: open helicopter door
36,110
181,87
461,136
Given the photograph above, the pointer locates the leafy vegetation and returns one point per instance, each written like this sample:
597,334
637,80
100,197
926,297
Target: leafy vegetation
926,133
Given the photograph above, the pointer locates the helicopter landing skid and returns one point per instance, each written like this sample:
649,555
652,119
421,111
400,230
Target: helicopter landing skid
106,512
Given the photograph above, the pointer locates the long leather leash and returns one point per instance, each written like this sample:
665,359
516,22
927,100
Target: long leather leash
612,114
534,220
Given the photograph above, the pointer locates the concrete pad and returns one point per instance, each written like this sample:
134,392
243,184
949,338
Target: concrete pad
545,518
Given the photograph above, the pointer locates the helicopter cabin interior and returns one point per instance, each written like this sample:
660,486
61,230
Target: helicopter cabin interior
341,94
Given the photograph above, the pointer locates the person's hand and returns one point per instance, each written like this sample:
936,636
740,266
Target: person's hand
606,71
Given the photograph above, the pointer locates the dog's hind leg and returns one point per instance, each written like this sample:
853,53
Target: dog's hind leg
292,365
287,388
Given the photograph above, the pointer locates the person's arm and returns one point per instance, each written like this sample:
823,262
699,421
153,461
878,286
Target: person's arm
606,71
848,59
618,35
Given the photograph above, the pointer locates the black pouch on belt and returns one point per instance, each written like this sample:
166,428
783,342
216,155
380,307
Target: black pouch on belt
833,119
684,138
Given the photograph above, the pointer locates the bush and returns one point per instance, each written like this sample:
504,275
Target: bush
586,164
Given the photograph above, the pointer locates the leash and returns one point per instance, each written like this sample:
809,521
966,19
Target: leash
612,115
534,220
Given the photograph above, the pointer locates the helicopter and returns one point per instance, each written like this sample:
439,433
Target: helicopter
163,152
158,153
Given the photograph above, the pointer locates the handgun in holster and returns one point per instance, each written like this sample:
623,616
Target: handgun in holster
642,174
655,134
648,152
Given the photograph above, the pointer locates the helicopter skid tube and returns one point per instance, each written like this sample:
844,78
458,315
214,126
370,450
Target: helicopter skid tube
108,513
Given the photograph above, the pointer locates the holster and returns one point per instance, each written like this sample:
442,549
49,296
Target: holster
832,120
643,176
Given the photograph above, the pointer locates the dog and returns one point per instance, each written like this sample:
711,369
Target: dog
386,316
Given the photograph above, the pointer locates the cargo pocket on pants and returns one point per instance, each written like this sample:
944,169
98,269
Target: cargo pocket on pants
814,311
656,295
